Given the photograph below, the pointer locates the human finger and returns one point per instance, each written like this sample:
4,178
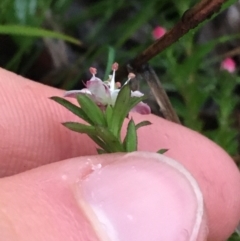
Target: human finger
138,196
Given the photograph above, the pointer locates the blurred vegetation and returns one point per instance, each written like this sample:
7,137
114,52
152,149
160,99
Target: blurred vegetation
32,44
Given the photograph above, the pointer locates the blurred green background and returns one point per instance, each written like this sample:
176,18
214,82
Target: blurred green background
55,42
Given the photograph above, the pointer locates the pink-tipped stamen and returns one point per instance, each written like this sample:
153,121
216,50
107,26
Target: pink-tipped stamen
112,82
118,85
131,76
93,71
115,66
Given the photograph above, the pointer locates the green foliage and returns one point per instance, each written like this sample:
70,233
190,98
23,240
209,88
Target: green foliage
73,108
35,32
130,141
234,237
162,151
121,29
143,123
104,127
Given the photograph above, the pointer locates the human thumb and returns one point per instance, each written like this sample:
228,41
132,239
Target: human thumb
122,197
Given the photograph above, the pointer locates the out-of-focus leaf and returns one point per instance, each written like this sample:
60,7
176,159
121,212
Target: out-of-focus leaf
101,151
23,8
111,57
192,63
36,32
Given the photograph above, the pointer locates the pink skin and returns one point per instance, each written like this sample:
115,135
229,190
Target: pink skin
53,202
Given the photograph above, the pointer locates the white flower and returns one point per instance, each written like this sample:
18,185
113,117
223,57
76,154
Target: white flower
105,93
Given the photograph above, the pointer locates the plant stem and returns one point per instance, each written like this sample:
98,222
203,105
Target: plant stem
160,95
190,19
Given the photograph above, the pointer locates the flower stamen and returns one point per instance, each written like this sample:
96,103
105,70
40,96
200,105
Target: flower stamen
130,76
105,93
112,82
118,85
93,71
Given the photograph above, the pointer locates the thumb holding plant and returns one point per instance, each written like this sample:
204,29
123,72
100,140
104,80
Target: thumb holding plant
111,106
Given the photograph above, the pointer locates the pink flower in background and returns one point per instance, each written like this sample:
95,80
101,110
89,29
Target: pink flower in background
105,92
158,32
229,65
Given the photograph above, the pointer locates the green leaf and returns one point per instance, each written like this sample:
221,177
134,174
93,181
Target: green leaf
73,108
110,139
23,8
78,127
121,109
100,143
111,57
130,140
162,151
108,114
135,100
91,109
36,32
143,123
101,151
90,131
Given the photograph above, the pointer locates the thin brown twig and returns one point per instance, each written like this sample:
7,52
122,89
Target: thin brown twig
230,53
159,93
190,19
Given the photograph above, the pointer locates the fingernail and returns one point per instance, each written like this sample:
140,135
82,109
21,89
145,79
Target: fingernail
143,196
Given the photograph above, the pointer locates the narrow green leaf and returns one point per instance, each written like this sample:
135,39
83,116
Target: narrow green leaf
91,109
90,131
111,57
108,115
121,109
135,100
162,151
143,123
130,140
36,32
73,108
110,139
78,127
100,143
101,151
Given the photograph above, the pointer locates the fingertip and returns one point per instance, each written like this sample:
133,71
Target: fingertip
31,130
145,196
215,171
138,196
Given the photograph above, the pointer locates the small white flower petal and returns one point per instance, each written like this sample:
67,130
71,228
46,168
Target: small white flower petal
99,90
114,95
137,93
104,93
95,78
74,93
